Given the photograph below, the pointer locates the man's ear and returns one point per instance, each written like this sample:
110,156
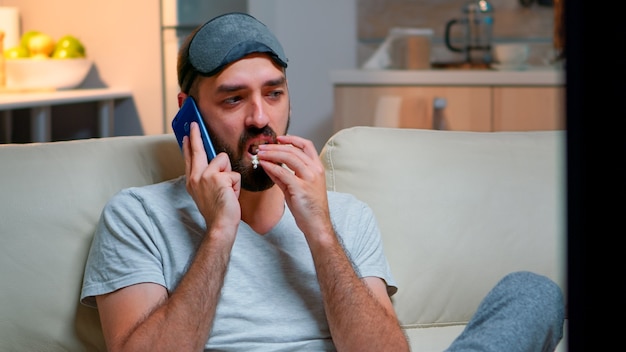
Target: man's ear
181,98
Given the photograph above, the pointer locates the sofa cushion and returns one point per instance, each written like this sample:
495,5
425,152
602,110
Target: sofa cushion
457,210
52,196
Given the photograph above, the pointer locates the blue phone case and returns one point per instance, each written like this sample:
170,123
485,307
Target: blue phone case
180,124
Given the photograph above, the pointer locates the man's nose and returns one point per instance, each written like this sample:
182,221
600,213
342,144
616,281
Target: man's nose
257,115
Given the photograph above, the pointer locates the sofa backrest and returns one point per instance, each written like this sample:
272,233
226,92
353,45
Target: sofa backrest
457,210
51,196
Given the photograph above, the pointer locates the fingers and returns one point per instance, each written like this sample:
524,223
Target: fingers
302,181
187,155
278,173
298,154
197,154
303,144
214,187
197,166
190,148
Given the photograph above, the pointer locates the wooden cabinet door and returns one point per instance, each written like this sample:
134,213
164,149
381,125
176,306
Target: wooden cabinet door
528,108
466,108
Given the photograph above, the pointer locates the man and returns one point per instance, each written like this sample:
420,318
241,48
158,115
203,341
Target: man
247,252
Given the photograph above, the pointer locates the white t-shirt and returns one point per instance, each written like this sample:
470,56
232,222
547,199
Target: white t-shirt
270,300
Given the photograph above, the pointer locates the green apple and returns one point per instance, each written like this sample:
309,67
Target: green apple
26,37
68,47
16,52
40,44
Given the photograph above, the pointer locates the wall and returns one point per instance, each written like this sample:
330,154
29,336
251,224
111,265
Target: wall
123,39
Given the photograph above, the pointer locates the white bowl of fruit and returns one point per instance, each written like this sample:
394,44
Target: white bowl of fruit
40,62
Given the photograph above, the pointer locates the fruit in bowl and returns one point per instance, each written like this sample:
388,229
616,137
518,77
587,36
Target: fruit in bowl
40,46
40,62
68,47
16,52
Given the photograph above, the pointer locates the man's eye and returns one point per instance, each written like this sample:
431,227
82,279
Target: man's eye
232,100
275,93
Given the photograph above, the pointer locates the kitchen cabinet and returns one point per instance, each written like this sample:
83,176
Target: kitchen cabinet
528,108
462,101
466,108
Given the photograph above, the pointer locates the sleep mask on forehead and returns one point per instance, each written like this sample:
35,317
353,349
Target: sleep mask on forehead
230,37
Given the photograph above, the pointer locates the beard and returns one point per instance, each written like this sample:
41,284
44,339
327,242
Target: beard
253,180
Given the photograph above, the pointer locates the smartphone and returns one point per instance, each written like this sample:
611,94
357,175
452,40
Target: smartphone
187,114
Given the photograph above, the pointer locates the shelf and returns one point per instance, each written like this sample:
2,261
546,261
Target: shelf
40,102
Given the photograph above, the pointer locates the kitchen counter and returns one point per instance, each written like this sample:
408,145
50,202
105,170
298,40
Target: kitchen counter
532,76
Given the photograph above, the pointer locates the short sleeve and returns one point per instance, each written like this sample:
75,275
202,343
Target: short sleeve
123,252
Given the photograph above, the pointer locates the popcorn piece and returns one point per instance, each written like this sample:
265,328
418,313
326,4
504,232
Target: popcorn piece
255,161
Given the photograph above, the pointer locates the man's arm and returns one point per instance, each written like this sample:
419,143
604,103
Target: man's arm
359,311
142,317
360,314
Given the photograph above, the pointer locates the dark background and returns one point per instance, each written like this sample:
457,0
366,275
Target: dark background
595,51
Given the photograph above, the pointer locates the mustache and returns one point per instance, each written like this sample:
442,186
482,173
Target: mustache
252,132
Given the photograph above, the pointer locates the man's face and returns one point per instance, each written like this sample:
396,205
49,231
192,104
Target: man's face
245,105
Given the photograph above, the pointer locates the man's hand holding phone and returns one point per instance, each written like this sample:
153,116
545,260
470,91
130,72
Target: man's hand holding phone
213,186
210,180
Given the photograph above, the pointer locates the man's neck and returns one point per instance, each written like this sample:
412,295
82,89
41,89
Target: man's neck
262,210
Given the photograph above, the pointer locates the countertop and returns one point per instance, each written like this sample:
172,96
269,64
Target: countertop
528,76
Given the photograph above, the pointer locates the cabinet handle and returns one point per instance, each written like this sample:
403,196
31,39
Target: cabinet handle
439,104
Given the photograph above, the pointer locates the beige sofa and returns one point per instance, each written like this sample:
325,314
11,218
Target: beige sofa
458,210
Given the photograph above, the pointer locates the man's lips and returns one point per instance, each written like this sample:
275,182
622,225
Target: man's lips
253,147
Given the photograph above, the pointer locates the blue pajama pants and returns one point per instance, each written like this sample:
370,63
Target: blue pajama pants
524,312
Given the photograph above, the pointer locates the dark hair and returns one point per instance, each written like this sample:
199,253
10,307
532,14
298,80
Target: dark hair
186,72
